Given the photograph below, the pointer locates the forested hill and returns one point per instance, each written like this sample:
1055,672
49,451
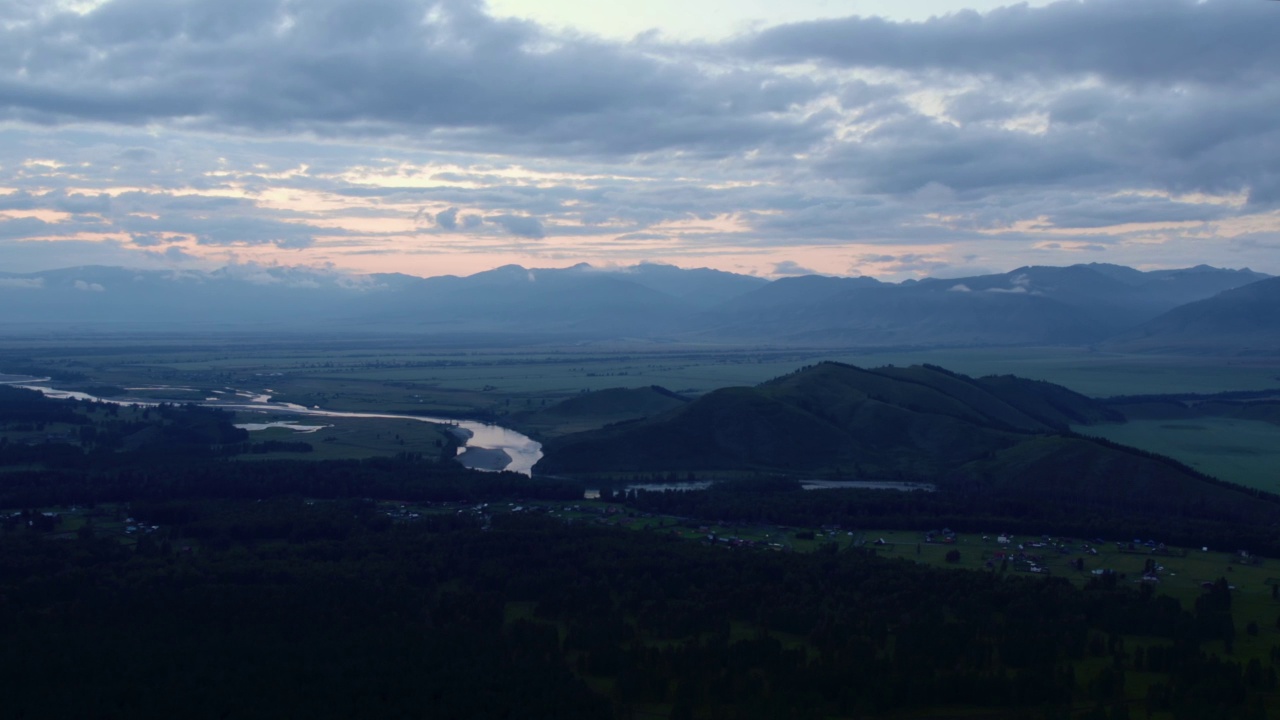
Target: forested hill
986,441
916,422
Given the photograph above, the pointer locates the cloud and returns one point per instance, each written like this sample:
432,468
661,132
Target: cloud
23,227
1129,41
83,286
1023,135
441,70
80,203
21,283
138,155
789,267
173,254
447,219
960,287
520,225
148,239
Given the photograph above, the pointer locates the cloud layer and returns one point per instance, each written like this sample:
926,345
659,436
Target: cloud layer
430,135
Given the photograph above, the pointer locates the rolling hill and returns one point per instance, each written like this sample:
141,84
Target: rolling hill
1002,438
916,422
593,410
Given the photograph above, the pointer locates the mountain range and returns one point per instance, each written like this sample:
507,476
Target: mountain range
1077,305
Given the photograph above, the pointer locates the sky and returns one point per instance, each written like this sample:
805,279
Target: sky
843,137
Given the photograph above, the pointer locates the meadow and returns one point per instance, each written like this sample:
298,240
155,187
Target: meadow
351,438
402,374
1246,452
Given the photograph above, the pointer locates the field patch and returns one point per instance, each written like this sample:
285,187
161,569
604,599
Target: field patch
1246,452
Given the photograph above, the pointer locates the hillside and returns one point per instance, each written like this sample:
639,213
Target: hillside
1002,438
1244,320
593,410
913,422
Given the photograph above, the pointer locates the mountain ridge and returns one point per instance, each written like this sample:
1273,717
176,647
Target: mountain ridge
1032,305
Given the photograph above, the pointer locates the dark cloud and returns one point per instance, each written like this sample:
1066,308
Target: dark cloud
79,203
1131,41
441,71
24,227
790,267
138,155
448,219
172,254
20,200
970,135
1097,213
148,239
519,225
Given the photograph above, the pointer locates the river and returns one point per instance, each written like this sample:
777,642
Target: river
485,445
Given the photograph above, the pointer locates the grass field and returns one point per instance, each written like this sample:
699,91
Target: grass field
350,438
399,374
1246,452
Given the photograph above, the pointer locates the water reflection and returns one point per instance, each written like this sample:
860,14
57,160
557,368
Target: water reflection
493,440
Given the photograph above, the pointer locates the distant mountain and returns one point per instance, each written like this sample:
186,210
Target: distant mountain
514,299
576,302
1080,304
1003,439
1244,320
243,297
700,287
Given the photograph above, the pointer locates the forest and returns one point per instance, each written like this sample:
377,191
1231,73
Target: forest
244,588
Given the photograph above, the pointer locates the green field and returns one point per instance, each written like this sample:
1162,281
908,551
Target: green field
415,376
410,374
348,438
1246,452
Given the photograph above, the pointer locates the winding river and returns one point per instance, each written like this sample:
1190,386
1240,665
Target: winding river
487,447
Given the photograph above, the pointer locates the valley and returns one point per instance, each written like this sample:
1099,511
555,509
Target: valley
801,508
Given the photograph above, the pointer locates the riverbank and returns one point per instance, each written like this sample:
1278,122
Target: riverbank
490,448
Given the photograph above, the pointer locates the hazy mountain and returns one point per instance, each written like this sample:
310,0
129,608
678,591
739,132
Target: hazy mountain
699,287
1081,304
1245,320
240,297
1031,305
521,300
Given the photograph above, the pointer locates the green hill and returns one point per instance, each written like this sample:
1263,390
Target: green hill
592,410
996,442
915,422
